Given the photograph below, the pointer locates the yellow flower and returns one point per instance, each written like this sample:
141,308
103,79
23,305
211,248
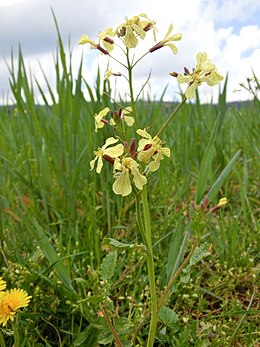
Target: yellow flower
85,39
167,41
222,202
129,120
104,36
205,72
151,148
2,284
107,153
130,29
10,302
99,118
122,185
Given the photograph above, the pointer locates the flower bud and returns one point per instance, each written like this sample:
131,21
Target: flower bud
132,147
103,50
174,74
109,159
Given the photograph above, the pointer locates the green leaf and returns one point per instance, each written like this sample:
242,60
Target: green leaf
105,337
108,265
222,177
122,326
206,163
168,317
117,244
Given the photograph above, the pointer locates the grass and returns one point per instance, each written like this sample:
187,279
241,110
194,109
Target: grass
55,215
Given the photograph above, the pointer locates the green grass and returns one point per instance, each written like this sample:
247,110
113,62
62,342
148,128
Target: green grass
55,214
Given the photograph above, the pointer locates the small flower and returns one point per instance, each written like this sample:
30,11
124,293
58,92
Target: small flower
129,120
151,148
205,72
167,41
104,36
222,202
99,118
122,185
2,284
130,29
110,73
10,302
85,39
107,153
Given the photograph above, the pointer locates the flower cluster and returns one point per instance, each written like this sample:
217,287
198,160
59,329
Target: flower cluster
127,162
205,71
11,301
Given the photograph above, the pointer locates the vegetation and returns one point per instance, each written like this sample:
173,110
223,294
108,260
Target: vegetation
68,240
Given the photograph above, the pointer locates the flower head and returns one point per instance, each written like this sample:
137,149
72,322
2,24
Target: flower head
10,302
100,121
205,72
123,172
131,29
2,284
85,39
168,41
151,148
107,41
107,153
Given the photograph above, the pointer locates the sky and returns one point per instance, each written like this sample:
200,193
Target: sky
228,31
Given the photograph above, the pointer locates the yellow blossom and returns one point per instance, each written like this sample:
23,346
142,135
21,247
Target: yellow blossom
167,41
151,148
122,185
2,284
205,72
85,39
130,30
99,118
10,302
104,36
222,202
129,120
111,152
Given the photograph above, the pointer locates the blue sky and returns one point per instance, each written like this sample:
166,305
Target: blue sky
229,31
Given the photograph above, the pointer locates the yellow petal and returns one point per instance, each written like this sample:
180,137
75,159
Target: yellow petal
122,185
139,180
115,151
130,39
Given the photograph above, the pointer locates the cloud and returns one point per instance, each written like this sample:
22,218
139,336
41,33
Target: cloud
222,29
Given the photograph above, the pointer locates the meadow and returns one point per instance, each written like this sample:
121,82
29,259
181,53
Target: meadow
68,240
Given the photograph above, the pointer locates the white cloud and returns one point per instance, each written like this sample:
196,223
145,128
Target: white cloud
206,25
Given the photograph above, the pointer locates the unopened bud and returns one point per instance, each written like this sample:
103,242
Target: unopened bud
204,204
132,147
174,74
148,26
186,71
109,159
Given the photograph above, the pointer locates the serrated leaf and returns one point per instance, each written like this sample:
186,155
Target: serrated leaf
105,337
122,326
108,265
117,244
168,317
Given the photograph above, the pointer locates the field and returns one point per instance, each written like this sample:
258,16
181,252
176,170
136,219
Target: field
75,248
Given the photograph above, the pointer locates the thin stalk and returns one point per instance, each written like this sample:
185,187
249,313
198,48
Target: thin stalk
150,266
16,335
139,218
2,341
118,342
184,99
131,91
167,290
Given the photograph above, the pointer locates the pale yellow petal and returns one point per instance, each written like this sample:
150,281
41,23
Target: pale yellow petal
130,38
99,164
109,141
122,185
129,120
139,180
115,151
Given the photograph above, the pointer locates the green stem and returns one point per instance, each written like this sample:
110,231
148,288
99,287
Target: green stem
131,91
184,99
2,341
167,290
150,266
139,218
16,334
